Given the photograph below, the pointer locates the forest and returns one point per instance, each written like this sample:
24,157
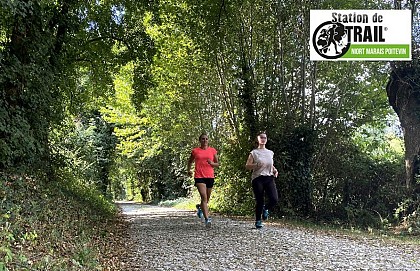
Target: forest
104,100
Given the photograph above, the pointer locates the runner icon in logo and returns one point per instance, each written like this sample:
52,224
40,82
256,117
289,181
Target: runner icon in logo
330,40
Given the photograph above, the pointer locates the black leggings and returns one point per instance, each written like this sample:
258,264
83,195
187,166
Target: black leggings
260,185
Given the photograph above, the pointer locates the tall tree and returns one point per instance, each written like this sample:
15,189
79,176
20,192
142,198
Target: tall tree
260,49
59,57
403,91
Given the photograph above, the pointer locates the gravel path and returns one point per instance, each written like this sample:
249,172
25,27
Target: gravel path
170,239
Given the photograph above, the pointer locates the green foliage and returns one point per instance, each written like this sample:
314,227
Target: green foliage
6,241
233,190
379,142
86,148
161,178
51,226
407,213
294,157
25,78
111,95
158,131
58,58
20,147
233,196
207,55
355,188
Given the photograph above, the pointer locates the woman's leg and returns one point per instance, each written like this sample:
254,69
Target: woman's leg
208,194
209,184
258,189
202,190
271,192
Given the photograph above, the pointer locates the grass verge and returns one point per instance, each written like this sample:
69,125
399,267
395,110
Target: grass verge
56,226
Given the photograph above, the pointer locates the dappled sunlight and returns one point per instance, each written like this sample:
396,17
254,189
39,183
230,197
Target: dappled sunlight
139,209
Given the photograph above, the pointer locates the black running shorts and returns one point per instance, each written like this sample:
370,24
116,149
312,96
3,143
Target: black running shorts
208,181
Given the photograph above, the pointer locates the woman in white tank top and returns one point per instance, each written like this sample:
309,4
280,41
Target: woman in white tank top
260,161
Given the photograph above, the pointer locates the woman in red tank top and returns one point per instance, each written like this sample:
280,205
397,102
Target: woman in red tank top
205,160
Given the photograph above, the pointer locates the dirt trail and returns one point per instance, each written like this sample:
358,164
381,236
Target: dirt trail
171,239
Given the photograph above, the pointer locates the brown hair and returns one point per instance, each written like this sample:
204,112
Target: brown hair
256,138
203,134
261,132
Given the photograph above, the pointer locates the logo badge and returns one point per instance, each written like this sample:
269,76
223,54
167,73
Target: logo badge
360,35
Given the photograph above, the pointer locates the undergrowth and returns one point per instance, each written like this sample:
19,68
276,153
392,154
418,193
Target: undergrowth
61,225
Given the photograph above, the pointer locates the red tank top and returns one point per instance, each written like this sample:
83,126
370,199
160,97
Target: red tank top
202,167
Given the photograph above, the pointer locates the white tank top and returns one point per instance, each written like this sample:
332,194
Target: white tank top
264,157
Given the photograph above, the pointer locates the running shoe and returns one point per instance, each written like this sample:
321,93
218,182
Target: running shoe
258,224
199,211
208,222
265,214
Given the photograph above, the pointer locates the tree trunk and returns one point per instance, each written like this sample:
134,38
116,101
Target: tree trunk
403,92
247,89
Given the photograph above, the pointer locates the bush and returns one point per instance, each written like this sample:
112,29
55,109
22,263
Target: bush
408,215
53,226
357,189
